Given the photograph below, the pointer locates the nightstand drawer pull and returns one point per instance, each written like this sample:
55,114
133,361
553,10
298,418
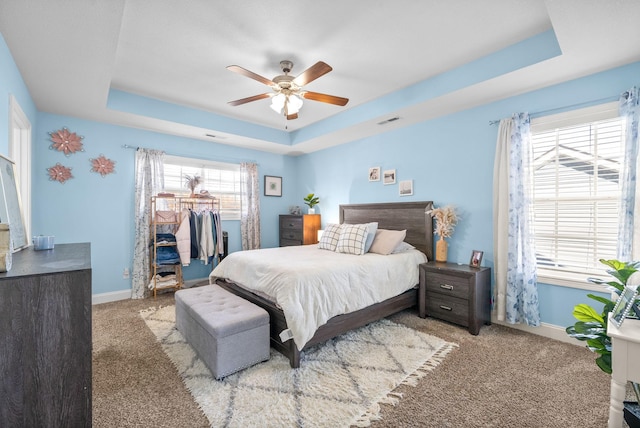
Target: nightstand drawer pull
446,286
446,308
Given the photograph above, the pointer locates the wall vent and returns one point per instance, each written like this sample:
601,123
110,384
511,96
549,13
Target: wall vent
393,119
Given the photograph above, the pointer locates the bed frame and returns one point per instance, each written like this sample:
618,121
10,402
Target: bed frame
411,216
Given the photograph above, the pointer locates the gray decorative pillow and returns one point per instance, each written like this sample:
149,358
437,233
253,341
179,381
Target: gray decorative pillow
352,239
329,238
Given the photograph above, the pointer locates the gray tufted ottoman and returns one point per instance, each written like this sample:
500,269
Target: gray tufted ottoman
227,332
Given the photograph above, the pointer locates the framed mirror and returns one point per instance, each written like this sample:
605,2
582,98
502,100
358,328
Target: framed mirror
624,304
11,205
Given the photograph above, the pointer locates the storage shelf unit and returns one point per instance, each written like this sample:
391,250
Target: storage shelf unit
173,204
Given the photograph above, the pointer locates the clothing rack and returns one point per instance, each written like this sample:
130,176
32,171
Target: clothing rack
165,255
178,203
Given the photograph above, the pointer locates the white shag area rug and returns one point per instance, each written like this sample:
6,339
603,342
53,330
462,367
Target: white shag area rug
340,383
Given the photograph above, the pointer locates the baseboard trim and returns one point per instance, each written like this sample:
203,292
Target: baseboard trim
111,296
114,296
550,331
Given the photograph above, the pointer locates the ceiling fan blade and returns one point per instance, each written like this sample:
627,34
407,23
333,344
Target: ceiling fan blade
324,98
312,73
292,116
249,99
251,74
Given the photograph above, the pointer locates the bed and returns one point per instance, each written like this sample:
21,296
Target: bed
409,216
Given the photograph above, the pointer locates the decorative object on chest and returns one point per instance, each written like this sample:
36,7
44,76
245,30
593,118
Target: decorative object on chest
456,293
311,200
299,229
446,220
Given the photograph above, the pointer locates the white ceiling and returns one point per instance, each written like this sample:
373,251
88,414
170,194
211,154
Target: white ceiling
72,52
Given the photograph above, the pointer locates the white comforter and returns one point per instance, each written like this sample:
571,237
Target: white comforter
312,285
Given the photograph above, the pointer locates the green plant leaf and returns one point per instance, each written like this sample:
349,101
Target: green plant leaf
586,313
600,299
604,362
614,264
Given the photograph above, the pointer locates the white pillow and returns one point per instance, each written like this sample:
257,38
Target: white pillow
353,238
387,240
329,238
402,247
371,234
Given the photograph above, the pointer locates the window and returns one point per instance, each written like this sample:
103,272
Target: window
221,180
576,191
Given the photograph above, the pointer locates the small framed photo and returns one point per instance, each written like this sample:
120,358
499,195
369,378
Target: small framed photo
272,185
374,173
624,304
476,258
406,188
389,176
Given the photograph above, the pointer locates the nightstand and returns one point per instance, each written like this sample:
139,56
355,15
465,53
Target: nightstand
299,229
460,294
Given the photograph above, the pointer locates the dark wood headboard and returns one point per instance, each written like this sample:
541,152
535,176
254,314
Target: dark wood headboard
411,216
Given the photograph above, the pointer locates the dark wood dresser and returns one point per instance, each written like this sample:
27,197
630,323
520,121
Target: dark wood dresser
299,229
45,338
460,294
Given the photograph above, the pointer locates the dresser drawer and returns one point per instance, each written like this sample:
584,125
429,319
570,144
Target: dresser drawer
291,223
292,235
450,285
289,242
448,308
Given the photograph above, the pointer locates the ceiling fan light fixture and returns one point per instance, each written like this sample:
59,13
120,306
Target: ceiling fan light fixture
277,103
294,104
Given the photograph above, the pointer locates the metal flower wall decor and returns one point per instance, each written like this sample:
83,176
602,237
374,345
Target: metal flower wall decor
102,165
66,142
59,173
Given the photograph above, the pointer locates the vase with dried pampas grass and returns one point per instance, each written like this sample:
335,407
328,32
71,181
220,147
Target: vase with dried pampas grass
446,220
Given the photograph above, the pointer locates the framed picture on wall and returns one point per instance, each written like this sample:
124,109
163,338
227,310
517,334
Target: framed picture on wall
406,188
272,185
374,173
389,176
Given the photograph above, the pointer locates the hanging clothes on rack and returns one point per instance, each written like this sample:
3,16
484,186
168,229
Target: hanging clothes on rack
183,237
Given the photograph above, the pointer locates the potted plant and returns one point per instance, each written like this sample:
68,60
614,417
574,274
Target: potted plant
311,200
591,326
446,220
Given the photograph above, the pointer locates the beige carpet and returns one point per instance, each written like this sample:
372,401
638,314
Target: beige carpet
500,378
339,383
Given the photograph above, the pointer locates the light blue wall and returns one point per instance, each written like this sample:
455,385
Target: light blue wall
450,160
99,210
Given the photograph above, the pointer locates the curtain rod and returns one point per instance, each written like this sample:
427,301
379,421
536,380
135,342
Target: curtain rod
222,158
573,106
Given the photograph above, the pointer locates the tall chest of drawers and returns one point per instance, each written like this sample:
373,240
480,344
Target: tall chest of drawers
459,294
299,229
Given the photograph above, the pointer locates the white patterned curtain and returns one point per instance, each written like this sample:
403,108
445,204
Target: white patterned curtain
516,290
149,181
249,206
628,240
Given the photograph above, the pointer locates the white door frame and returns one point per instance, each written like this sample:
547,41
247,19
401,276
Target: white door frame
20,153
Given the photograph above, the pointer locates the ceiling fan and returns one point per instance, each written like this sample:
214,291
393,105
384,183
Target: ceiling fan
288,93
